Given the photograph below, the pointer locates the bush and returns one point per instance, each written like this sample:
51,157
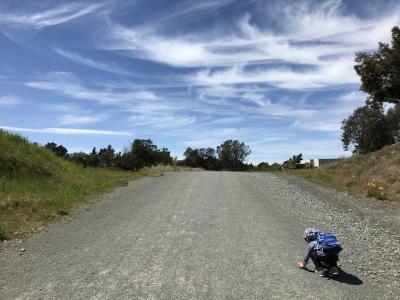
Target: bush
4,232
376,190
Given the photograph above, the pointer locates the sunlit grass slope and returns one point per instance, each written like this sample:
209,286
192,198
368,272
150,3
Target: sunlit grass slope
376,174
36,186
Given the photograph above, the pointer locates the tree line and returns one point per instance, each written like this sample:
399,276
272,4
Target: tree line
230,155
141,153
374,125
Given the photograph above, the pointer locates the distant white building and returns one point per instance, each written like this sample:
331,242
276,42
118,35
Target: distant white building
303,164
315,163
318,162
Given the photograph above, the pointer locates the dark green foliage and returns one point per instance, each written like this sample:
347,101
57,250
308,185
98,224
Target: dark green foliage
148,154
393,118
145,152
201,158
367,129
266,167
232,154
263,166
58,150
142,153
63,212
106,156
164,157
291,162
229,156
4,232
380,71
276,167
93,158
80,158
126,161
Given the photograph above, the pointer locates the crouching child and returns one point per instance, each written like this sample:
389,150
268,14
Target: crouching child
323,248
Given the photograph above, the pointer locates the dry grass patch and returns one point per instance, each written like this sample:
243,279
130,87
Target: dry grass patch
375,174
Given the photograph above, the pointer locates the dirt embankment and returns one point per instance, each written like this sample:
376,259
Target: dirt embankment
375,174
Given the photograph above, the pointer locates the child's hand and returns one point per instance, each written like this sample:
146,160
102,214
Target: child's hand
300,264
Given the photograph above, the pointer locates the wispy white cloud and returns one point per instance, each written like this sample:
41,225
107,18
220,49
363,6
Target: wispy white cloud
66,108
328,117
312,125
68,84
67,131
148,109
213,138
78,119
9,101
50,17
232,96
162,120
353,96
318,77
327,21
310,23
321,38
107,67
192,9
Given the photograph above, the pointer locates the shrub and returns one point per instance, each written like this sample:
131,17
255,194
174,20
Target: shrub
376,190
63,212
4,232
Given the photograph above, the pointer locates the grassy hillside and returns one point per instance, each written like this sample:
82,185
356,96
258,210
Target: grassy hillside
36,186
375,174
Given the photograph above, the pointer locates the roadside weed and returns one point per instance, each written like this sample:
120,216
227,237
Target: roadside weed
376,190
4,232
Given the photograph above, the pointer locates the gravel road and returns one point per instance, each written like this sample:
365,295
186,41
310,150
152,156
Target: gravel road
208,235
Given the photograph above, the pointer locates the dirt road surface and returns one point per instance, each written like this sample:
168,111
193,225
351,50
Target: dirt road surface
207,235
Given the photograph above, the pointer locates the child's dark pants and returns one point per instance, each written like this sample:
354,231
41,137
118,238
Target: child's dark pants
324,262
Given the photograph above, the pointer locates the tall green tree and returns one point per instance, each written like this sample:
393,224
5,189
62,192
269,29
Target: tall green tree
232,154
145,151
380,71
148,154
80,158
367,129
164,157
291,162
209,159
58,150
263,166
93,158
393,117
127,160
106,156
192,158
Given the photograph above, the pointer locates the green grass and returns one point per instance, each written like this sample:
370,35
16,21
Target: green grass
37,187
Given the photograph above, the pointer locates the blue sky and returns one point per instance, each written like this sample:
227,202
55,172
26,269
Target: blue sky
277,75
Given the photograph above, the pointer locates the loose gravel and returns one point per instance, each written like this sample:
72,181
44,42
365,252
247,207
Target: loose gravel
369,229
